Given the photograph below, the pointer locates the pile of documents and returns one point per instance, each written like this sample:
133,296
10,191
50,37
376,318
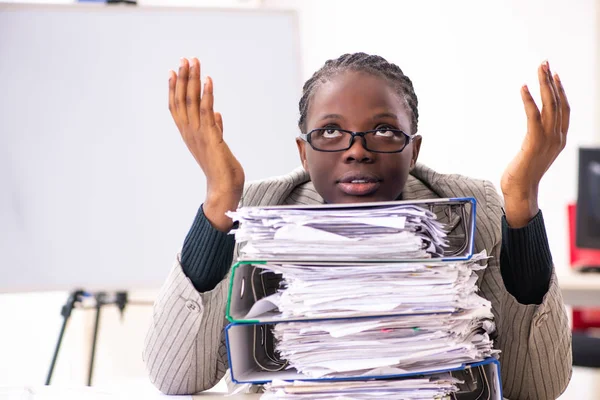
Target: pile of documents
375,233
375,347
435,387
376,289
362,294
430,317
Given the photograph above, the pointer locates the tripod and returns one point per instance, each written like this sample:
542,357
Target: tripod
76,298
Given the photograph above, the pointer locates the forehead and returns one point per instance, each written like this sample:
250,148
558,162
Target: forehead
357,96
353,88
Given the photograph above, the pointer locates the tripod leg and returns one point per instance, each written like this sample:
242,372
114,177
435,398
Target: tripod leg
55,356
74,297
99,302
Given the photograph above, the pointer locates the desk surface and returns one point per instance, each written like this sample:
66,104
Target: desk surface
580,289
86,393
215,396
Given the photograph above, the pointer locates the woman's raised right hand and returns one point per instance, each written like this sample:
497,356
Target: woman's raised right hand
202,131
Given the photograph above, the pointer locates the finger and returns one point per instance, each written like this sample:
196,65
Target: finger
219,120
181,89
192,99
549,100
566,108
557,129
172,82
534,118
207,115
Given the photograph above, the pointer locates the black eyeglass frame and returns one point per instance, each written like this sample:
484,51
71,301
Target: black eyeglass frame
409,139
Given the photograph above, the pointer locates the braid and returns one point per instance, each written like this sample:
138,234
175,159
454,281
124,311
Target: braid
360,62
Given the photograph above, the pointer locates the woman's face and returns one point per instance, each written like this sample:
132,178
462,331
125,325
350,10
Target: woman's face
358,101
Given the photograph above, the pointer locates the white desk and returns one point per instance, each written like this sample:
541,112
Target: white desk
215,396
85,393
580,289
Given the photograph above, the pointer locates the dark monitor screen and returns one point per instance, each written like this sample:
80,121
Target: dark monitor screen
588,199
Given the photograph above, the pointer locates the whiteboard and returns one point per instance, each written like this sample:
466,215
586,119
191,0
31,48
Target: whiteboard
97,188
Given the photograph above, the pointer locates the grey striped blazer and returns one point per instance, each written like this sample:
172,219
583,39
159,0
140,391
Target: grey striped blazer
185,350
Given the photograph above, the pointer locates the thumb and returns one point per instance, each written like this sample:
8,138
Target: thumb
534,118
219,120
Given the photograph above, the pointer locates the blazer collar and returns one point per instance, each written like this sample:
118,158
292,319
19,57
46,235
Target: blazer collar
419,186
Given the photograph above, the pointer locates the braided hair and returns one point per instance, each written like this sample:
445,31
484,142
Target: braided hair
360,62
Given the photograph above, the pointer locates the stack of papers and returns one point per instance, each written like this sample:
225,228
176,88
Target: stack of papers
437,387
398,231
363,294
438,322
387,346
312,291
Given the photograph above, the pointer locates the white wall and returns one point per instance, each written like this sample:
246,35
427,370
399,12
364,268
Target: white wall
467,59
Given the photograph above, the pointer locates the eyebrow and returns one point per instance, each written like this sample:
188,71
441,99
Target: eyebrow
386,115
380,115
331,116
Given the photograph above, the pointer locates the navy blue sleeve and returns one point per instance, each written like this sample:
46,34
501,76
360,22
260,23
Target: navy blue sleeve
207,254
526,261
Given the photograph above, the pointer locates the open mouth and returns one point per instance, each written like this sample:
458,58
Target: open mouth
358,184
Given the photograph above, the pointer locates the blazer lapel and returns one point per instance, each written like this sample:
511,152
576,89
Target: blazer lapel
419,187
303,191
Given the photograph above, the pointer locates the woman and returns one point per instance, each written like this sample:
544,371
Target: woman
355,100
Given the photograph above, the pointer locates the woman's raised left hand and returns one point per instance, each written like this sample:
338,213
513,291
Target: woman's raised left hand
545,139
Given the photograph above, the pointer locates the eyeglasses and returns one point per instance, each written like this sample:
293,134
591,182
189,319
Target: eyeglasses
377,141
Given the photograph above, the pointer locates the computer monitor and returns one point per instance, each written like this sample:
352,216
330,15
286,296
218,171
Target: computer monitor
588,199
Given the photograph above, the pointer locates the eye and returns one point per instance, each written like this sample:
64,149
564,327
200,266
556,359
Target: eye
385,131
331,133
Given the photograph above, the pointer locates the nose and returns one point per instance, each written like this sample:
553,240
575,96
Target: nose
357,152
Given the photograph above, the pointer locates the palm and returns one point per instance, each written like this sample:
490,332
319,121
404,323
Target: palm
202,131
545,139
